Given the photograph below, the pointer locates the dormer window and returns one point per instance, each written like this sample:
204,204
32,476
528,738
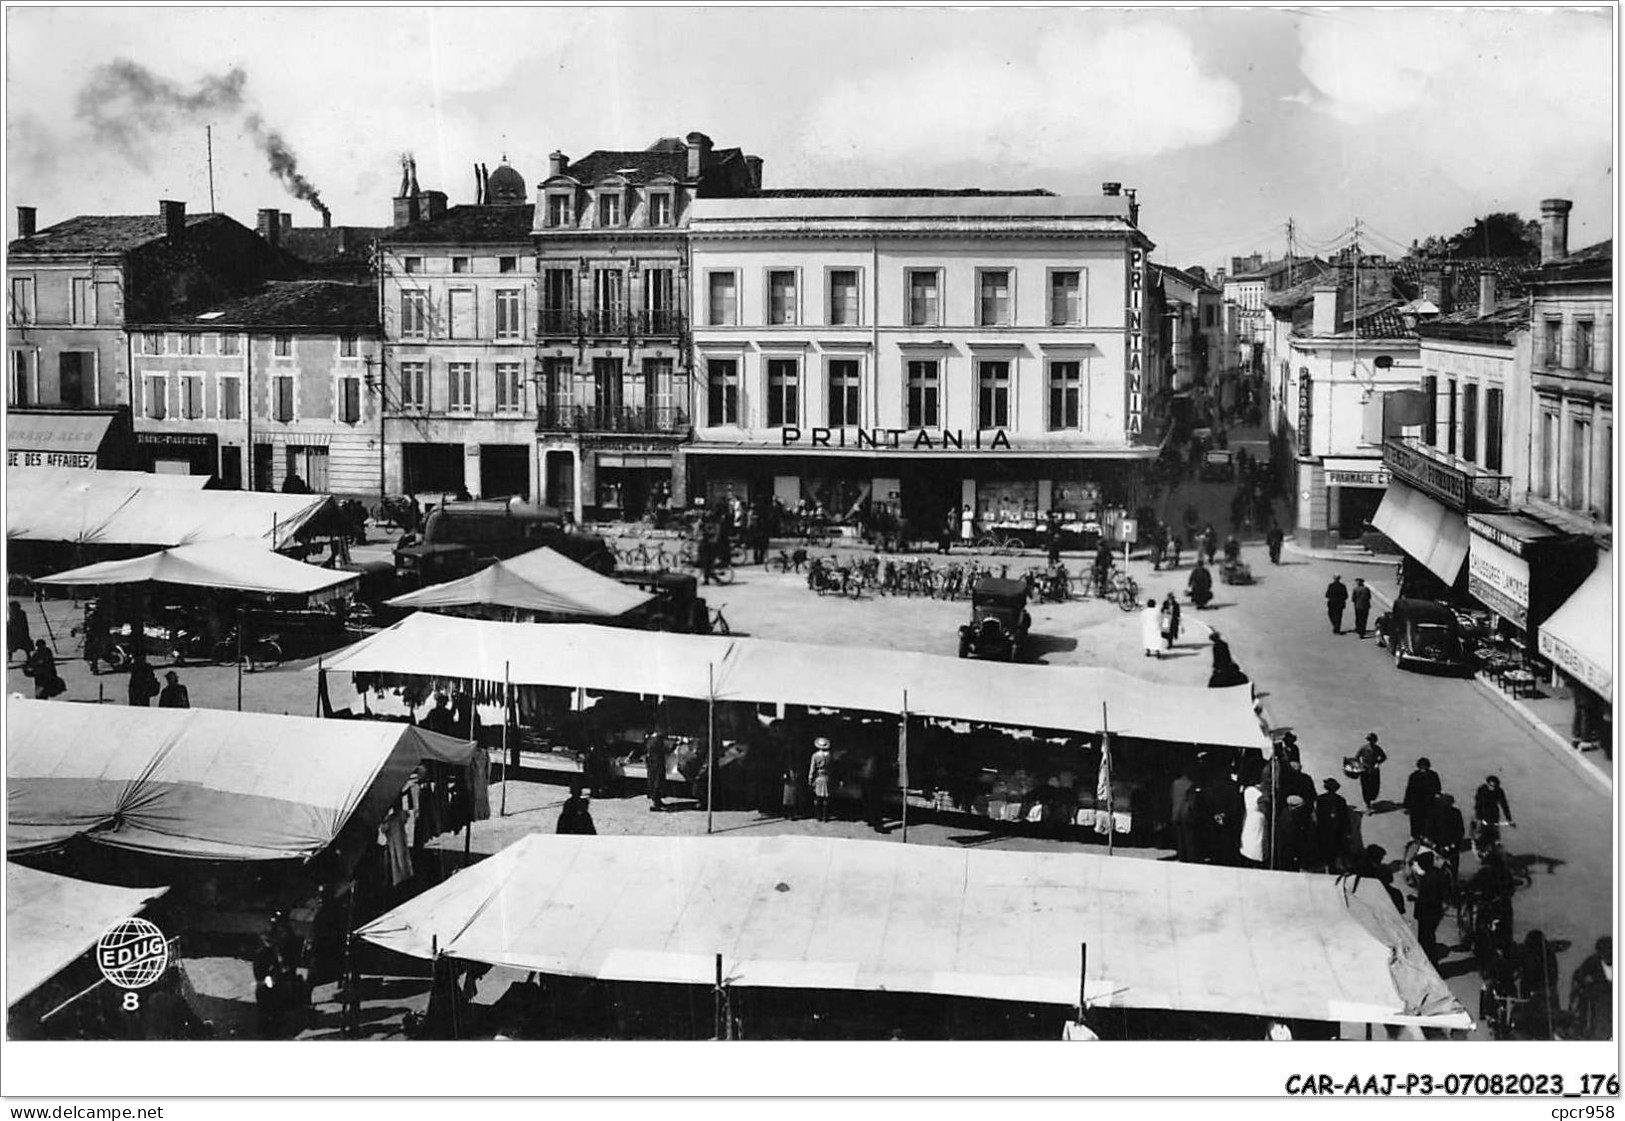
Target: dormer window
660,208
560,212
609,209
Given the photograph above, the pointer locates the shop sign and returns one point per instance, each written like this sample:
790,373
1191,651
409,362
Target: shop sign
1134,358
176,439
80,460
1376,477
1576,665
1305,391
1499,580
1501,538
880,439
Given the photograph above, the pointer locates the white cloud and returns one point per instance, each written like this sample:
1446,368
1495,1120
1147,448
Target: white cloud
1126,93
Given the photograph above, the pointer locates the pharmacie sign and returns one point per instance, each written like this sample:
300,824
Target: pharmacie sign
897,439
1499,580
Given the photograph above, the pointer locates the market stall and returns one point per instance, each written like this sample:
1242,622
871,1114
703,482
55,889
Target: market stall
540,584
52,920
787,913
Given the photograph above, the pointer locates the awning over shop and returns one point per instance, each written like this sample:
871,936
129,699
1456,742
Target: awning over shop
1578,638
541,580
65,440
80,507
1065,698
230,565
1431,533
51,920
206,784
826,913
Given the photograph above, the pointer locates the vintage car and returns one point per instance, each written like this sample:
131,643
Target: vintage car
1218,464
1421,632
464,537
998,620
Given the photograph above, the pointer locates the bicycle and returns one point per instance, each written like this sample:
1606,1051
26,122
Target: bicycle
257,653
1125,590
717,621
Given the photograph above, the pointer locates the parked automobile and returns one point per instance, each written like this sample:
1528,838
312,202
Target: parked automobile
1422,632
998,622
464,537
1218,464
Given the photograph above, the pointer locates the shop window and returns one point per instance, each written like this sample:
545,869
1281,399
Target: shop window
310,464
993,394
783,392
722,390
1065,384
844,393
924,393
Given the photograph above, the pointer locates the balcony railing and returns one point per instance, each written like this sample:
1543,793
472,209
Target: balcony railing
669,420
1457,484
617,323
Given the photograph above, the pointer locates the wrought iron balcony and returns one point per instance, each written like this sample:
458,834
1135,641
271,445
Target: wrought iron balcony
559,322
1458,484
660,323
614,322
667,420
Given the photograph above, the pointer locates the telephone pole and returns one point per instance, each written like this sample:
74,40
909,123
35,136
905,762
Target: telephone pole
208,135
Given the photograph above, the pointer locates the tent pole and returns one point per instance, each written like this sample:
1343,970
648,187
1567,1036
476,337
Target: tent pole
902,766
239,656
711,759
321,680
507,718
1083,978
1106,764
717,1016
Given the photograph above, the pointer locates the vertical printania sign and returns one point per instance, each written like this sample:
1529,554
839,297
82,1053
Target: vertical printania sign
1135,344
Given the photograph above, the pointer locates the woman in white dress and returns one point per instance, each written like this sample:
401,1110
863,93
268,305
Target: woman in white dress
1151,629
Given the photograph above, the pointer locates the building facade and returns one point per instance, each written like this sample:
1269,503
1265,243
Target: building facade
919,351
614,365
457,302
282,382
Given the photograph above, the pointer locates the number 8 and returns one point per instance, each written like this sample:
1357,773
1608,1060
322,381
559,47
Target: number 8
132,1002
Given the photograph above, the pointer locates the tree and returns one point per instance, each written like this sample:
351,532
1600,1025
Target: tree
1502,234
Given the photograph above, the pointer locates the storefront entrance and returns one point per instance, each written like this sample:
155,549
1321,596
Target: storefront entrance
505,470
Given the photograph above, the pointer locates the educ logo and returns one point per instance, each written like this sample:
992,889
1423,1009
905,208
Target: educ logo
133,955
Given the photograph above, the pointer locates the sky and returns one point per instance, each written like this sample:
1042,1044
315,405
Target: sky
1229,122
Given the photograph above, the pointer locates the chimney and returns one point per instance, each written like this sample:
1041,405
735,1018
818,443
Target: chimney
755,165
1486,292
1447,290
1111,190
1554,229
1326,298
1133,206
287,220
406,211
434,204
327,218
699,153
557,164
174,217
270,226
25,221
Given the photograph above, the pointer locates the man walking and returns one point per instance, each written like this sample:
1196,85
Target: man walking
1370,759
1360,597
1331,826
1421,791
1337,597
174,694
1428,904
143,683
41,666
654,762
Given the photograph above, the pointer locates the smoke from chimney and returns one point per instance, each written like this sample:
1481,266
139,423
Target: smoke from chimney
125,105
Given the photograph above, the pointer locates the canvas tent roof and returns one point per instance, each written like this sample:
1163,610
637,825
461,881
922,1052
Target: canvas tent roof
541,580
51,920
36,476
232,564
815,912
201,783
89,511
1067,698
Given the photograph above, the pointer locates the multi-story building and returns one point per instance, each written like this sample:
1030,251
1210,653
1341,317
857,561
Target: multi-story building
76,285
1196,328
921,350
1248,286
284,380
612,344
458,297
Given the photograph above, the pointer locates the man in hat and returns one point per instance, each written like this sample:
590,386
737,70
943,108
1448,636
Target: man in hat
1360,597
440,718
174,694
1331,826
1337,597
576,815
1428,904
1447,831
1370,758
818,776
1421,790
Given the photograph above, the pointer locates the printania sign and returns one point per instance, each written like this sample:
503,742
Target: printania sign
894,439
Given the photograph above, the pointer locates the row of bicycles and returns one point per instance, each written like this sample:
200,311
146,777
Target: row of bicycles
920,577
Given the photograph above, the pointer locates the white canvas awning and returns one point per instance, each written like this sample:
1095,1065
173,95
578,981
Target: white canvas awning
1430,532
51,920
230,565
542,581
1579,636
201,783
1065,698
831,913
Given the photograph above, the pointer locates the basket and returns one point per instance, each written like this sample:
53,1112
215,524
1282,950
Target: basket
1352,767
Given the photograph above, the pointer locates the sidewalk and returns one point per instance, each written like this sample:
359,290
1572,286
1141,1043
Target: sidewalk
1549,715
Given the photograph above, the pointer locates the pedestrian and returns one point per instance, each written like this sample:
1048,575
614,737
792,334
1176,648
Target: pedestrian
174,694
791,791
1170,621
18,638
1103,567
1254,824
1490,804
1151,629
874,810
1369,759
1200,585
1190,518
276,977
818,775
1447,831
1274,539
654,762
1337,597
1288,747
1360,597
967,527
1428,904
1291,835
41,666
1229,810
945,532
1421,791
1591,993
143,683
1052,538
1232,550
576,815
1331,826
1210,542
440,718
1238,509
1191,815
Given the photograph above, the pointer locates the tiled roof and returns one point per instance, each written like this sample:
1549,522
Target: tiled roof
329,245
898,193
465,225
1271,268
1467,325
1185,277
294,303
1594,261
1380,322
90,233
638,167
